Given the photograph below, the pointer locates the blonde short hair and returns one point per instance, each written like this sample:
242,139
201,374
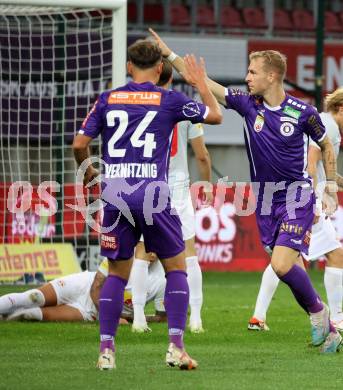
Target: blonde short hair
333,101
273,59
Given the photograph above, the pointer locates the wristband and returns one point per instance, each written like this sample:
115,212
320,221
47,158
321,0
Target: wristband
172,57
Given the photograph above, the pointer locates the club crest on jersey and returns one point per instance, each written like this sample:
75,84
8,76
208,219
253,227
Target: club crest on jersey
191,109
259,122
287,129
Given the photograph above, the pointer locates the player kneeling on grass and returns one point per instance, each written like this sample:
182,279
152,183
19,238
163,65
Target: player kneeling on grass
75,298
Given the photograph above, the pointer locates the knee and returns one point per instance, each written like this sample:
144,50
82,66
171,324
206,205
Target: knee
279,268
36,297
335,258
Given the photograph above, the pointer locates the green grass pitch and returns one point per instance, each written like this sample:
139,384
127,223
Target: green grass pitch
63,356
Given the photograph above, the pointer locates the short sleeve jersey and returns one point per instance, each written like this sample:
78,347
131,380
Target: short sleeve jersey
178,168
136,123
277,137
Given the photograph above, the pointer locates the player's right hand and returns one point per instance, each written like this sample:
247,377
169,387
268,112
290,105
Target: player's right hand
90,175
162,45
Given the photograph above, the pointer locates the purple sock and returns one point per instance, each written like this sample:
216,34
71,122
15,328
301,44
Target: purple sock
300,284
176,303
110,308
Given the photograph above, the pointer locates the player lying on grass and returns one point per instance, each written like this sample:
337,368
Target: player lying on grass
277,129
75,298
178,181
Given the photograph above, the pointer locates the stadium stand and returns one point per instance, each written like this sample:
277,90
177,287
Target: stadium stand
303,20
179,15
254,18
282,20
231,18
205,16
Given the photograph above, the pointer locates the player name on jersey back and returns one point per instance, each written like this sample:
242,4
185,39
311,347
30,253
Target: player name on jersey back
127,170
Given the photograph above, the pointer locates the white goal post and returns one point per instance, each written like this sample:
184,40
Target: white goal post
56,57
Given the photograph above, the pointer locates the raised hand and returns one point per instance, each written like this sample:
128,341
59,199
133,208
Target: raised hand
194,73
162,45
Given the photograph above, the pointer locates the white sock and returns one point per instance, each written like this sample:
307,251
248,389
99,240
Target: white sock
32,314
139,281
333,281
268,287
194,277
11,302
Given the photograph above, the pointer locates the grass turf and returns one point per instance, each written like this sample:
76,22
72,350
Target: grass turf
63,355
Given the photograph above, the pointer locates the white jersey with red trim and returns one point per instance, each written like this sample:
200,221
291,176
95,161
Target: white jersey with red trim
333,133
178,175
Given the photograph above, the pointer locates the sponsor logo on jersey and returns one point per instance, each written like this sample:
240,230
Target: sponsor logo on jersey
191,109
122,97
292,112
316,127
291,228
296,104
108,242
288,119
287,129
259,122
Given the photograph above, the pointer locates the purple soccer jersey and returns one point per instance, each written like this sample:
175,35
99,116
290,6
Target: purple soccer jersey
277,140
277,137
136,122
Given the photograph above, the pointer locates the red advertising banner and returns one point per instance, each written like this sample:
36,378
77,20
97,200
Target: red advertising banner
225,241
228,242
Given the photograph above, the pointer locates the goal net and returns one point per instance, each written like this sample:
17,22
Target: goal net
54,63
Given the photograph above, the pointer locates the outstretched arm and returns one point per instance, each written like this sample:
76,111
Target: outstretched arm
179,64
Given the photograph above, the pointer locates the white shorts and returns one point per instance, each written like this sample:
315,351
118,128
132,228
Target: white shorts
323,239
74,290
182,201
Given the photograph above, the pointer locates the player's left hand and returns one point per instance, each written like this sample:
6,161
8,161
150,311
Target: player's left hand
330,199
195,72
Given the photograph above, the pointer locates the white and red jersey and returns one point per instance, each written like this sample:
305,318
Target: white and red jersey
333,133
178,175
